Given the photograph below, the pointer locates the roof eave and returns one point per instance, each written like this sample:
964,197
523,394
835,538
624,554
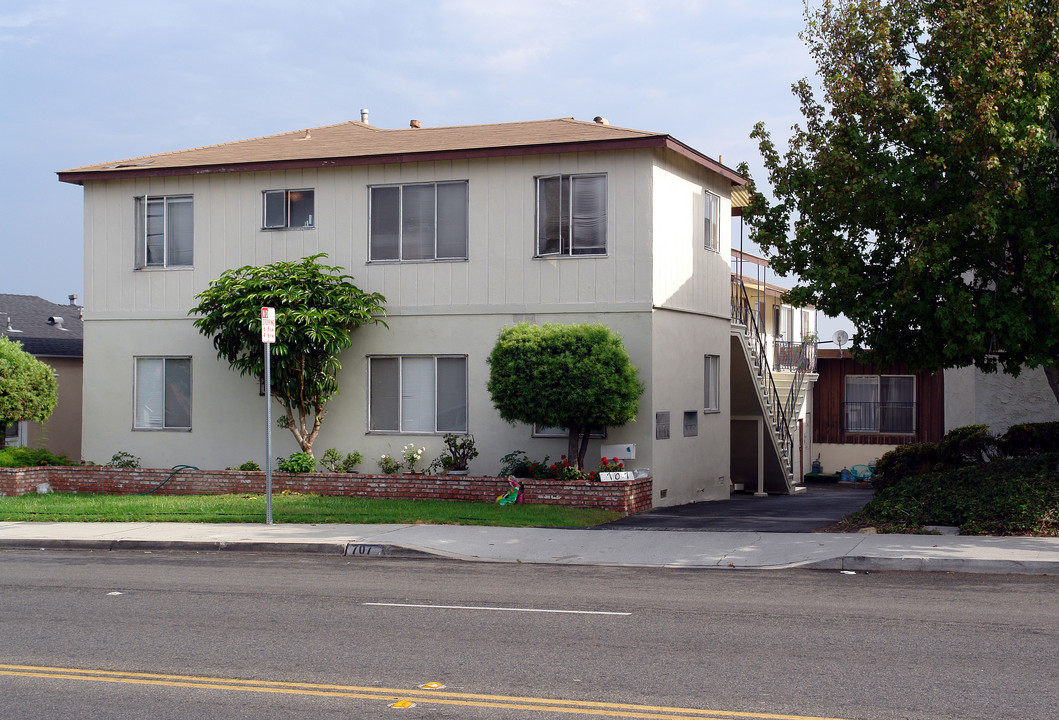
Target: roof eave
78,177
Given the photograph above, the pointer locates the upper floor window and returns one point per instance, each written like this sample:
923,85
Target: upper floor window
164,231
712,213
571,215
163,393
287,209
417,394
425,221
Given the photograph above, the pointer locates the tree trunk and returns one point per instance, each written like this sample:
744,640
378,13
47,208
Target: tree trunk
3,436
573,442
585,434
1052,374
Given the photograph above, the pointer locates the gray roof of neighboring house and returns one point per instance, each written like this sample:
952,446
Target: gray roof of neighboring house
45,329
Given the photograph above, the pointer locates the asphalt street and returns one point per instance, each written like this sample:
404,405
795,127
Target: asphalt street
122,636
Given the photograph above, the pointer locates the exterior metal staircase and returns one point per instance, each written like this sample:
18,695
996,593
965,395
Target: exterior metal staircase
777,399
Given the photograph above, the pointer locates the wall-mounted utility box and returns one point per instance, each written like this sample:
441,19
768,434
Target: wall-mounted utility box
622,452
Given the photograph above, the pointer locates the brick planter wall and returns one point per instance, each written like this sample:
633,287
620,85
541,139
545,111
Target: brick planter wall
627,497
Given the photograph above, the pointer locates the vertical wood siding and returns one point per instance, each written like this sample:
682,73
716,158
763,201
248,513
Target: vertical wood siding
830,389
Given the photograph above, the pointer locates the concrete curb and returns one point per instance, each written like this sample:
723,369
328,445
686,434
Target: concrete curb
349,549
926,564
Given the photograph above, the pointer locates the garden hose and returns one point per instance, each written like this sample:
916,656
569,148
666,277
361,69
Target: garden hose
176,469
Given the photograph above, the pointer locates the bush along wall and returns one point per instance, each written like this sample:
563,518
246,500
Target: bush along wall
1008,496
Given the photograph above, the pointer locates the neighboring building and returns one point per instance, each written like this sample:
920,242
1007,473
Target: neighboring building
973,397
863,410
53,334
464,230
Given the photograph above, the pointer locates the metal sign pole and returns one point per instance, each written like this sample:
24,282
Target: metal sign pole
268,433
268,336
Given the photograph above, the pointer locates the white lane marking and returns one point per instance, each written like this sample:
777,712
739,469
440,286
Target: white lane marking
501,609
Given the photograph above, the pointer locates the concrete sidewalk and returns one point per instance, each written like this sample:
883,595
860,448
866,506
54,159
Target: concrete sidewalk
694,549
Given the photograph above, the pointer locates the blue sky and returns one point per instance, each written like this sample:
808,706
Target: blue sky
87,82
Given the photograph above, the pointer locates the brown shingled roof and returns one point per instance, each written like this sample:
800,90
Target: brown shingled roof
356,143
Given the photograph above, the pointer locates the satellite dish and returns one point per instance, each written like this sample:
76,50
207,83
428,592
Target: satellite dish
841,337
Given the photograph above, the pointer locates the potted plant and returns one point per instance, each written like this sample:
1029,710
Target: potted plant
460,451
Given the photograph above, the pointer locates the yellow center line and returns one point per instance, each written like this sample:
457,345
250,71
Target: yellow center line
510,702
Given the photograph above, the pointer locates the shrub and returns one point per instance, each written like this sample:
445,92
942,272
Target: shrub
519,465
389,465
1031,439
248,466
968,445
905,461
122,459
299,462
1005,497
333,461
31,457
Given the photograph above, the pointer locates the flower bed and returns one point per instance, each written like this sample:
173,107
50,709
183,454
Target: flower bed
628,497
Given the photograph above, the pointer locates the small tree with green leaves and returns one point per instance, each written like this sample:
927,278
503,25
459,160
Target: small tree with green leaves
28,390
317,309
577,377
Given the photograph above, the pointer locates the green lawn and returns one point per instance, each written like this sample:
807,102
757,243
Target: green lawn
293,508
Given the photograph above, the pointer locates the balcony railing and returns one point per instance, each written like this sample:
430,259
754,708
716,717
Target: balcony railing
897,418
793,356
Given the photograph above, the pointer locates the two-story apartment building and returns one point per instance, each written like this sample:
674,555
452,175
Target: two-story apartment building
465,230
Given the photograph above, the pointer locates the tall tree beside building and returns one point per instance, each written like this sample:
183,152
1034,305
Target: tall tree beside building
920,195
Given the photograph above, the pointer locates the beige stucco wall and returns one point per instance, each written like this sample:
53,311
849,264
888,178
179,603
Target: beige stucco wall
61,435
997,400
689,469
668,319
835,456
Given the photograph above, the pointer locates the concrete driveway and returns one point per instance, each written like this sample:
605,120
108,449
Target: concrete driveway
822,504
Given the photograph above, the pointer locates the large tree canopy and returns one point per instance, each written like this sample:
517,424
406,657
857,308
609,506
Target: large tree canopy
317,307
28,390
577,377
924,188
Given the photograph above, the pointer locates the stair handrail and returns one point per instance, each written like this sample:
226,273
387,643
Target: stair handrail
742,314
805,363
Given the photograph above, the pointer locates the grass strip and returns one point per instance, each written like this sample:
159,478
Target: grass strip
290,508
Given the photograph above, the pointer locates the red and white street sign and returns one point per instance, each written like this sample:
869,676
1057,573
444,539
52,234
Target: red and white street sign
268,325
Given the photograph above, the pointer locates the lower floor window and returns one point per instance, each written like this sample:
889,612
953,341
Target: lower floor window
540,431
711,379
15,434
880,404
163,393
417,394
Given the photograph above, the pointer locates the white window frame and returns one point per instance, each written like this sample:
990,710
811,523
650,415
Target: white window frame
143,205
400,430
20,436
372,254
286,200
711,383
712,221
137,423
566,246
